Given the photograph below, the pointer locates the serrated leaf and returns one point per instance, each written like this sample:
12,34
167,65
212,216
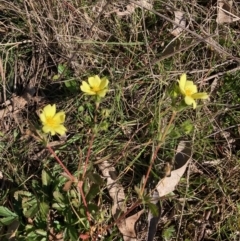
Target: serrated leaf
137,190
28,202
31,212
58,206
21,193
58,197
73,193
5,212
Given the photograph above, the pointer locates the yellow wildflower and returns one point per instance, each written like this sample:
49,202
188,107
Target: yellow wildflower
95,86
189,90
52,121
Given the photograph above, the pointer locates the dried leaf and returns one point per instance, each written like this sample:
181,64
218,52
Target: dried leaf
225,14
116,191
182,158
16,104
130,8
179,19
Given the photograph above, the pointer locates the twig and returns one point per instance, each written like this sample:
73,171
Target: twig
60,162
80,183
202,39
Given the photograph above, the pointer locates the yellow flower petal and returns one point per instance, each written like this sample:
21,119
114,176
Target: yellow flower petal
86,88
47,129
49,110
190,87
61,130
42,117
201,95
96,86
59,117
52,121
189,83
182,82
94,81
194,104
104,83
189,100
102,93
189,91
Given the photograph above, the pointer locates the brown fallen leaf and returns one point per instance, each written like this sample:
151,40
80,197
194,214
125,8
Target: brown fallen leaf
167,184
225,14
16,104
180,19
182,159
130,8
116,191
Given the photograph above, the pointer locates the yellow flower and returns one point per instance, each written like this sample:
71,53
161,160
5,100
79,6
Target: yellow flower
95,86
189,90
52,121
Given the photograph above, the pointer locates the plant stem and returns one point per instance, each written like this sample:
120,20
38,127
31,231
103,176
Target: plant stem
154,156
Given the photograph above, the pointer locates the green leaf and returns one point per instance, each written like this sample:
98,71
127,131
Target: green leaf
187,127
103,126
80,109
21,193
56,77
73,193
31,212
8,220
138,191
169,232
92,193
28,202
58,206
45,178
41,232
72,233
44,209
71,84
154,209
95,177
93,208
61,68
86,187
58,197
6,212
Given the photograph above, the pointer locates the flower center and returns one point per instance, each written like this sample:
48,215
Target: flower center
95,88
188,92
51,122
